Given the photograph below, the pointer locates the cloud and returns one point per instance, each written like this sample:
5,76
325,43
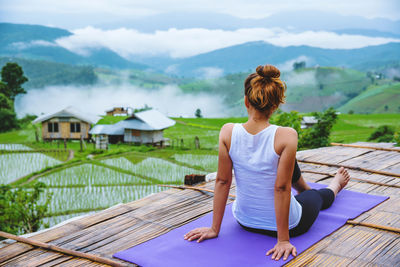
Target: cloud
294,79
98,98
209,72
189,42
26,45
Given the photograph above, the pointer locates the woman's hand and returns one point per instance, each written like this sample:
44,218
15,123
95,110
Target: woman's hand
282,248
200,234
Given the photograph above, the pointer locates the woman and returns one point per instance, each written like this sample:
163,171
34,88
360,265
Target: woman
263,157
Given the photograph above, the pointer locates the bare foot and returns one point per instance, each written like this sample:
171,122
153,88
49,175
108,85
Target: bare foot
340,180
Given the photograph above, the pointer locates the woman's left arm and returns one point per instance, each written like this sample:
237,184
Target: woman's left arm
282,193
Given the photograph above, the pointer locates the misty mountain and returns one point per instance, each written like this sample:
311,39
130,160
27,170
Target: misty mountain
37,42
247,56
294,20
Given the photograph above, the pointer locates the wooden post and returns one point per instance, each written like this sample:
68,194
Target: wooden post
36,135
81,143
65,143
197,142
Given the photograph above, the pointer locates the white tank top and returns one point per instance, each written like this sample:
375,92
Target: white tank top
255,163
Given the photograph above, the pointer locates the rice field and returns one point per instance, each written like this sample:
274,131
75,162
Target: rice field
91,186
157,168
16,165
207,162
14,147
89,174
94,197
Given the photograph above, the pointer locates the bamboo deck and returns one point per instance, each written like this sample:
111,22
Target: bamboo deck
127,225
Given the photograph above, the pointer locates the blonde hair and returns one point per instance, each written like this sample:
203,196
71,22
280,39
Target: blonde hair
264,89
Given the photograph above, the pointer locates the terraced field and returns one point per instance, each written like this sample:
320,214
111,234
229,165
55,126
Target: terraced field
90,185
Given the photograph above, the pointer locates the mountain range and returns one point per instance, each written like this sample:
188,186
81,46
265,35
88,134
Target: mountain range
39,42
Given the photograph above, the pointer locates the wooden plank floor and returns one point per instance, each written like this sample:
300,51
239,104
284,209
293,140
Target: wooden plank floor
127,225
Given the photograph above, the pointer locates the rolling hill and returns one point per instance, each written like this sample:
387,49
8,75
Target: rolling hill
377,99
308,89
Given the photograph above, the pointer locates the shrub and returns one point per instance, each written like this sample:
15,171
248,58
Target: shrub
20,211
396,138
384,133
318,134
289,119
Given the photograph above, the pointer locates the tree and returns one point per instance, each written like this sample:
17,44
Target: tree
318,134
299,65
198,113
8,118
13,76
5,102
20,210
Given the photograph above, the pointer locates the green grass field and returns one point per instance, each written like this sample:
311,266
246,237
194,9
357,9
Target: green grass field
358,127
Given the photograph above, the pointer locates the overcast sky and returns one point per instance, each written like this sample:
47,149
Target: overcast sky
64,13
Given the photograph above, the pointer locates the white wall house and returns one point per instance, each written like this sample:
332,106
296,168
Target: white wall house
144,127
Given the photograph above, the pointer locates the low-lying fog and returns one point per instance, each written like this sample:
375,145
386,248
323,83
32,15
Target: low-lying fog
96,99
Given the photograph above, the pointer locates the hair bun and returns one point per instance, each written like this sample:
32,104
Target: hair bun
268,71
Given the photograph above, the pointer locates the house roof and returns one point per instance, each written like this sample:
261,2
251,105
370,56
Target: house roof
69,112
153,118
309,119
150,120
108,129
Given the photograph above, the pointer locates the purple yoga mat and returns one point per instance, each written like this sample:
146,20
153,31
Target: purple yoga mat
238,247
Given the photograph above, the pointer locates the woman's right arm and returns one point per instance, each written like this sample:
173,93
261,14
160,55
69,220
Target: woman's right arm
221,190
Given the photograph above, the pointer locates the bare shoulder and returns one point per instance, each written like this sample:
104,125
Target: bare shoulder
286,132
285,137
225,134
226,129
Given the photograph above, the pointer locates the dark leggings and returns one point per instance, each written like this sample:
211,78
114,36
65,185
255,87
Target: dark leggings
311,201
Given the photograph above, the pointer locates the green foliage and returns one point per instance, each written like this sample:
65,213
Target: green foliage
318,134
8,118
198,113
13,76
5,102
26,120
384,133
396,138
290,119
20,211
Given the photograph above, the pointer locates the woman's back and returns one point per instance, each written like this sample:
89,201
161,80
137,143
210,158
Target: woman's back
255,163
